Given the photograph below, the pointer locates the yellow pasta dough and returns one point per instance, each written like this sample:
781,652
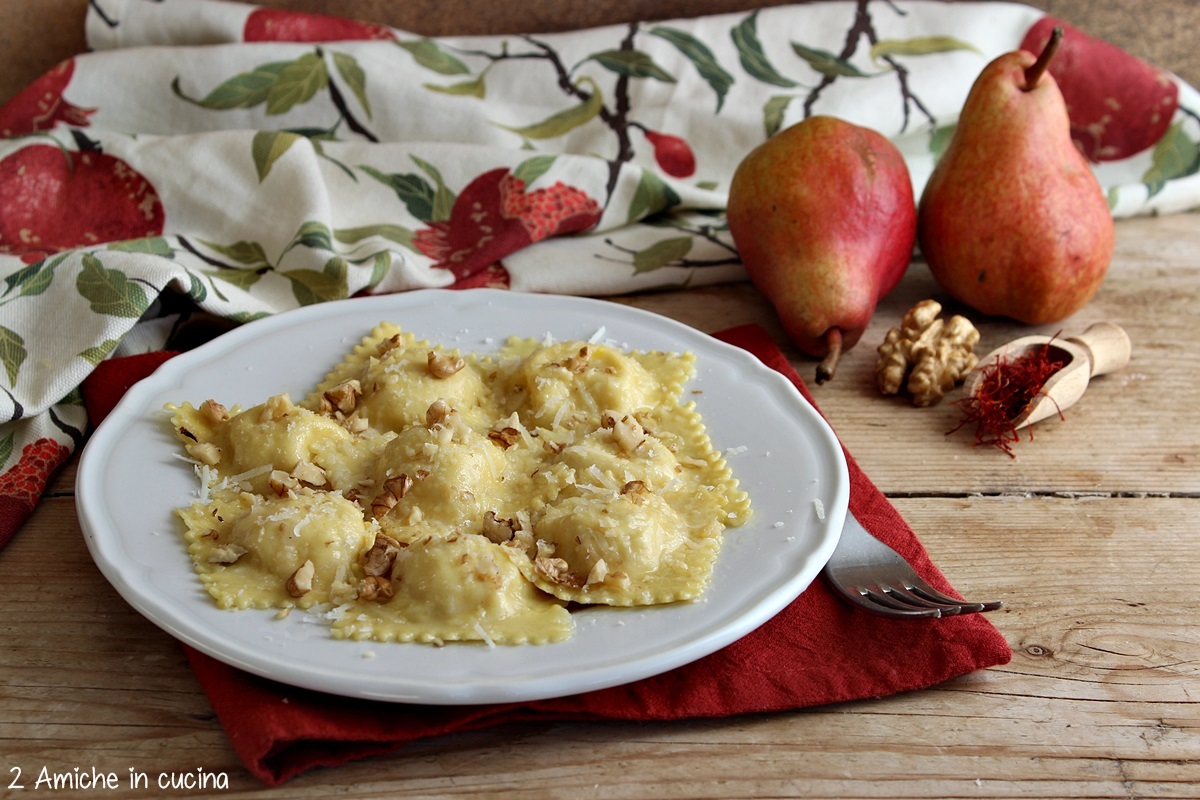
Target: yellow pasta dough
428,495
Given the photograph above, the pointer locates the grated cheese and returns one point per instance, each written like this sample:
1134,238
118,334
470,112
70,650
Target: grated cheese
484,635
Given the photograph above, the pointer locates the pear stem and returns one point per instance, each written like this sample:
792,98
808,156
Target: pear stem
1034,73
828,366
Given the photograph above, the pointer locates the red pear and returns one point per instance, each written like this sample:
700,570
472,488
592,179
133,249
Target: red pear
824,218
1012,221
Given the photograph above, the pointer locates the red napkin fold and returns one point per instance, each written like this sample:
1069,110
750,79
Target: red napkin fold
818,650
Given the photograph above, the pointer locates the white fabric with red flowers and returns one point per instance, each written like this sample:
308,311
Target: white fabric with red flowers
235,161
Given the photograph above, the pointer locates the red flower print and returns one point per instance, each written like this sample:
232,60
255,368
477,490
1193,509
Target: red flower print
53,199
1119,105
494,276
281,25
495,216
40,105
21,486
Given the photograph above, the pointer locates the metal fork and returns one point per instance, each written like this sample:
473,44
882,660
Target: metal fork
873,576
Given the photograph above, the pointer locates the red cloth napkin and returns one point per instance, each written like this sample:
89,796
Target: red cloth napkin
818,650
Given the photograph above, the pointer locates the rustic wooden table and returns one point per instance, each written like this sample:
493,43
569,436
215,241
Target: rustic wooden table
1089,536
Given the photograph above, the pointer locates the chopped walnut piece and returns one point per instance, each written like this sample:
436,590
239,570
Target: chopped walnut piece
498,530
213,411
205,452
522,539
394,488
276,408
227,554
441,417
281,483
437,413
628,434
443,365
375,587
389,344
505,437
344,397
310,473
578,364
557,570
597,573
635,491
926,356
378,561
300,583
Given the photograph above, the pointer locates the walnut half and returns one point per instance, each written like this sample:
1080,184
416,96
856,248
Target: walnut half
926,356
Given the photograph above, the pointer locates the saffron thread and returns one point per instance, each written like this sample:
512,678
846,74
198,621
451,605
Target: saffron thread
1006,388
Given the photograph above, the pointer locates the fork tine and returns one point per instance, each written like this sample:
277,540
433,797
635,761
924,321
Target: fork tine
888,598
881,605
865,599
912,596
920,586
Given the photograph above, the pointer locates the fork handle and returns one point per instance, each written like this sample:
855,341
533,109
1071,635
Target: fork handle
857,545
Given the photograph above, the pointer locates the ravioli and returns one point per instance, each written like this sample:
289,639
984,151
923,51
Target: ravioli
458,588
252,547
453,479
574,384
432,496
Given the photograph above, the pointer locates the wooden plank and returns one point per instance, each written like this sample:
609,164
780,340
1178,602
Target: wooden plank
1101,699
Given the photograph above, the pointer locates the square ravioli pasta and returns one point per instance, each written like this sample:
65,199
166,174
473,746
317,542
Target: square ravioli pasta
426,495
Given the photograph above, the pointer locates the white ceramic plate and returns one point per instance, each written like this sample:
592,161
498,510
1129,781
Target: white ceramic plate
130,481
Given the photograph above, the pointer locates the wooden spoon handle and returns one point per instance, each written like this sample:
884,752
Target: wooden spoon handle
1107,344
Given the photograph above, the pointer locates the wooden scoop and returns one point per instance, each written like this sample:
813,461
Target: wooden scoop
1101,349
